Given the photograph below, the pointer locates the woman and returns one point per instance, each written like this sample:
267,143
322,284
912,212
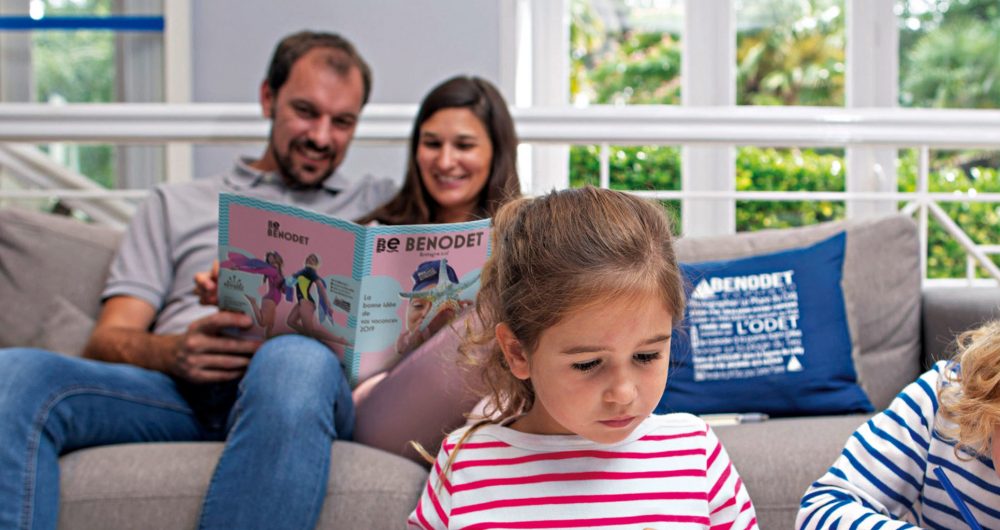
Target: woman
462,166
462,158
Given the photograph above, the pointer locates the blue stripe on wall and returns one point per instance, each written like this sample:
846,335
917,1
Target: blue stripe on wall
109,23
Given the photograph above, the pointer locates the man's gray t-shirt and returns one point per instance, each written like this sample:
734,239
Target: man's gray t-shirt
174,234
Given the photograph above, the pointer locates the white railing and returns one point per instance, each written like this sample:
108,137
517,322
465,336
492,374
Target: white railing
636,125
632,125
34,167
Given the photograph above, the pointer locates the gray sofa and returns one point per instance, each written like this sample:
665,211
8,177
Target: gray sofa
897,329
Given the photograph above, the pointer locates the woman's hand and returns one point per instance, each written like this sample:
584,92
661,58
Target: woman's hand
446,313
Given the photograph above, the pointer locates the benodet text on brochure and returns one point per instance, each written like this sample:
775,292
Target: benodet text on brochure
370,293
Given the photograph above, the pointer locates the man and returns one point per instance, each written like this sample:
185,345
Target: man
168,373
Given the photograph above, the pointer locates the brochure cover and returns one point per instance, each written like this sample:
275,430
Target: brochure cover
370,293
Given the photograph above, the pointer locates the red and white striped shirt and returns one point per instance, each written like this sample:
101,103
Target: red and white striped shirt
671,472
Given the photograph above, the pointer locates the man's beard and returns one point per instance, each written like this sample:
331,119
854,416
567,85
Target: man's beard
287,170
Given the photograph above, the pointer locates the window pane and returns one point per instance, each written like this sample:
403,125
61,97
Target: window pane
625,51
97,66
95,161
74,66
948,53
790,52
649,168
630,168
770,169
948,58
962,173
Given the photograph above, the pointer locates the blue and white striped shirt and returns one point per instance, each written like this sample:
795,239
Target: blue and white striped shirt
883,478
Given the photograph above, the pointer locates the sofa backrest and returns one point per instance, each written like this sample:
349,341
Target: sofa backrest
54,268
948,311
52,272
881,286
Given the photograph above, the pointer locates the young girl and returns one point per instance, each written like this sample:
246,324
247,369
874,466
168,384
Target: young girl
578,303
949,419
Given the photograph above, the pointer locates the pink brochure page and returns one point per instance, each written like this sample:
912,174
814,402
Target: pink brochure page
420,277
288,268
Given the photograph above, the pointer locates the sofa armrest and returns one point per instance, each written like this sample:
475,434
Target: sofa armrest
52,272
948,311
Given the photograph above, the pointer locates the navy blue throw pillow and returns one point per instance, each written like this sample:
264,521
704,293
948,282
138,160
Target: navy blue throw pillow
767,334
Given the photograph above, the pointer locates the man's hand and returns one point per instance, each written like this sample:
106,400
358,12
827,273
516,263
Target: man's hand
206,285
205,355
201,354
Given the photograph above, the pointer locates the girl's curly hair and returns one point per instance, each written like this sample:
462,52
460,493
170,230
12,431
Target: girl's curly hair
970,392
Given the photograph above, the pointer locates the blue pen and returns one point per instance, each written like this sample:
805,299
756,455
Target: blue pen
957,499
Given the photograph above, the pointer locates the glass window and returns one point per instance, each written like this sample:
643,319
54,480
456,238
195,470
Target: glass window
770,169
630,168
948,53
76,67
71,61
948,58
626,52
790,52
960,173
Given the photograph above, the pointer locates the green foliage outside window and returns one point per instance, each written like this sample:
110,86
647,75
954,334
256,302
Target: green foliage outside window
631,168
792,55
948,59
78,67
647,168
787,170
945,257
621,67
948,54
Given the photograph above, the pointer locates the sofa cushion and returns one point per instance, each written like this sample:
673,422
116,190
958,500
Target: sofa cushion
779,459
161,486
52,272
765,333
881,286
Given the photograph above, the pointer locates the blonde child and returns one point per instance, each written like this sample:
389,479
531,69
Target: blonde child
949,419
578,302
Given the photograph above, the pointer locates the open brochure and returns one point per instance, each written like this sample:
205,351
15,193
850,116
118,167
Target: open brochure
370,293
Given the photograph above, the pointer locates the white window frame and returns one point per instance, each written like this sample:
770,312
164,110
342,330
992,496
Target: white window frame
708,79
535,73
177,84
872,80
143,77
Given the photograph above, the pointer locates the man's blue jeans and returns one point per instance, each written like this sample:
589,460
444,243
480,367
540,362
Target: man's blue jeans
292,403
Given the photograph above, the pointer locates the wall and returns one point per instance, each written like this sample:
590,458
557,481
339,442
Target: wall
411,45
